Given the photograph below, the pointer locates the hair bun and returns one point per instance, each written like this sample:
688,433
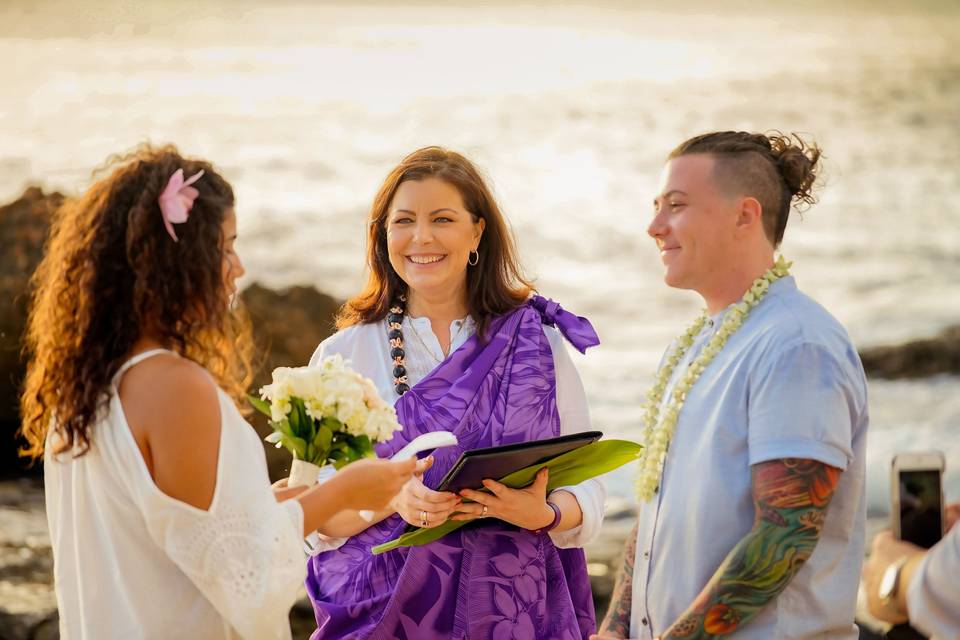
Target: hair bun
798,164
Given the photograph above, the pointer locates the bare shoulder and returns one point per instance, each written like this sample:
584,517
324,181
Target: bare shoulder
174,392
173,410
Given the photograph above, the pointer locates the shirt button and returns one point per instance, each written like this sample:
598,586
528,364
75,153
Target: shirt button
646,555
643,621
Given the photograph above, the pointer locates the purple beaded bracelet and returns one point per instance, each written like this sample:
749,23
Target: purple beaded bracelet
552,525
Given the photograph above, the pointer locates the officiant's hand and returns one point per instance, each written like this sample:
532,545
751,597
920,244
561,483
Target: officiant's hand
526,508
421,506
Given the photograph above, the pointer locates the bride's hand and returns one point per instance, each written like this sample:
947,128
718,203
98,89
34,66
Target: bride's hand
421,506
282,492
526,508
371,483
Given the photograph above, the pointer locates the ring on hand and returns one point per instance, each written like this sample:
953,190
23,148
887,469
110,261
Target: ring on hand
483,512
423,518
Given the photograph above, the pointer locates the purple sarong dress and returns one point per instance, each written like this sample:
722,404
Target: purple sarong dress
488,579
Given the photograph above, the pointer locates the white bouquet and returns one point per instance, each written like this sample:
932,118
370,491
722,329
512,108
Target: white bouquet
324,414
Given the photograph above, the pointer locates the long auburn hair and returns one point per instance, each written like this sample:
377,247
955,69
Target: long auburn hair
495,285
111,271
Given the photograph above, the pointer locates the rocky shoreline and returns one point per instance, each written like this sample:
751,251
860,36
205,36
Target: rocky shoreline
288,325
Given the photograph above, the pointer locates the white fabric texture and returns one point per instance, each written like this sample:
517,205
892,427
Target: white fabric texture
788,384
132,562
368,349
933,595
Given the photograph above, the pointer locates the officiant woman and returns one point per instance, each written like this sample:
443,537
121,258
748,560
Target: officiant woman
448,328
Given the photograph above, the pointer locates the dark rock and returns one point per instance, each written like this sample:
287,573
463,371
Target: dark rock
23,228
915,359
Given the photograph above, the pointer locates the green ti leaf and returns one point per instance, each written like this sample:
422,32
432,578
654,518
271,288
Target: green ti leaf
570,468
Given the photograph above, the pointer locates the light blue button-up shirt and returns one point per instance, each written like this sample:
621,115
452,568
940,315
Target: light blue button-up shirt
788,384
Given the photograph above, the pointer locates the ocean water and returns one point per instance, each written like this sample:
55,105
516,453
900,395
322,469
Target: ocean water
569,110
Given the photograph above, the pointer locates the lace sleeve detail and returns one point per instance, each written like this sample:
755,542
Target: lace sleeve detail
246,559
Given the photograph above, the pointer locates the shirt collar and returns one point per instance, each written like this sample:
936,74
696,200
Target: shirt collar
780,286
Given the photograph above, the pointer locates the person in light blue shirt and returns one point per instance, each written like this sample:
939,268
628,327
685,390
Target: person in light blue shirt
752,514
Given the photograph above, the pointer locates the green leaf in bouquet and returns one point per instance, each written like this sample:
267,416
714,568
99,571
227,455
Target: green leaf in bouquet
260,405
345,454
309,424
570,468
300,422
362,445
294,445
293,419
335,426
284,427
324,438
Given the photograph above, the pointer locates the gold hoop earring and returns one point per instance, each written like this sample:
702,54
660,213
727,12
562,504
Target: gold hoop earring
474,258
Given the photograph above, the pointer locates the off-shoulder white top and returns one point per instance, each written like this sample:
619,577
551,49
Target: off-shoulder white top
132,562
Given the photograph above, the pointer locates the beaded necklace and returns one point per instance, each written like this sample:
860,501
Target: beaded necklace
395,335
401,378
658,430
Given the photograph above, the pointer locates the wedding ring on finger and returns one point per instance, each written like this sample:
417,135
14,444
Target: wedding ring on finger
423,518
483,512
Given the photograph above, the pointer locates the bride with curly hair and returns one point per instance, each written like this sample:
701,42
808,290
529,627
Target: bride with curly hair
162,519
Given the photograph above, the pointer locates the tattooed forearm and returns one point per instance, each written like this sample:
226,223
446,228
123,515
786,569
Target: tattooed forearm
790,497
617,620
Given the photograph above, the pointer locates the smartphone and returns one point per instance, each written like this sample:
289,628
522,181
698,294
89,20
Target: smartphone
917,497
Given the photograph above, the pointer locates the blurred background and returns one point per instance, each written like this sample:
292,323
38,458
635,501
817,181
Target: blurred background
570,110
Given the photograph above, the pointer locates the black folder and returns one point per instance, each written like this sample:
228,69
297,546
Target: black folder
473,466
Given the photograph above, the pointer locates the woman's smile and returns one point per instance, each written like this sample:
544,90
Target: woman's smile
426,259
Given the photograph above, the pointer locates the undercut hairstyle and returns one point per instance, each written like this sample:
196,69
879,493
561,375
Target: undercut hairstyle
109,272
495,285
777,169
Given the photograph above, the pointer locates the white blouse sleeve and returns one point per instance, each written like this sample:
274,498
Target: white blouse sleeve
934,591
244,554
574,418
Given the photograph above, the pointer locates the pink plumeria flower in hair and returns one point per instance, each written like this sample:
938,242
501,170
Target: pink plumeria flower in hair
177,200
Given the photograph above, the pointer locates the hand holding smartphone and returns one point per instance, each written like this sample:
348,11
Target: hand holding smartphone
916,489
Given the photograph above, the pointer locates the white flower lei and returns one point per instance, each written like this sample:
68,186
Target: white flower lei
658,432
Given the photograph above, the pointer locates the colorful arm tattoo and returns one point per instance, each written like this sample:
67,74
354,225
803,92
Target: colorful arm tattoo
790,497
617,620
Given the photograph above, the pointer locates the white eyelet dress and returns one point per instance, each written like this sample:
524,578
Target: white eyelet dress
132,562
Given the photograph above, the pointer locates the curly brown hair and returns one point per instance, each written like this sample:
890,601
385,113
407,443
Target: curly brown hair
777,169
109,274
495,285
